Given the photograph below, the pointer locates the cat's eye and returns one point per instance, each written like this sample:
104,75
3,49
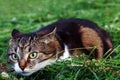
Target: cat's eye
33,55
14,56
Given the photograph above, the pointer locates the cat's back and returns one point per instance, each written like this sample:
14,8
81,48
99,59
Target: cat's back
77,33
71,25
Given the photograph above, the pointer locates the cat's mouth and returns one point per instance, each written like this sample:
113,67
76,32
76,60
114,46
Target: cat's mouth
25,73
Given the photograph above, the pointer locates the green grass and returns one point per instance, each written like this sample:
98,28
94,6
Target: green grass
29,15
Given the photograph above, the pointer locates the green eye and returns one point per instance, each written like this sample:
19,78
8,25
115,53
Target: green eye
14,56
33,55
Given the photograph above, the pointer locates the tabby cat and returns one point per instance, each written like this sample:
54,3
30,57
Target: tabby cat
28,53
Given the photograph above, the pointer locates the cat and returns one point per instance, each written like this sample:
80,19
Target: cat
31,52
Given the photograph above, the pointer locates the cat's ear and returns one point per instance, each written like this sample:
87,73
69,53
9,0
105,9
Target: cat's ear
15,33
48,37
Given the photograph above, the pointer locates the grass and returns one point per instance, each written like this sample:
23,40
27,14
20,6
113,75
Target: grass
29,15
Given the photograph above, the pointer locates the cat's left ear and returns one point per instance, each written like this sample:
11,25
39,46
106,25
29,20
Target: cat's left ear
15,33
48,37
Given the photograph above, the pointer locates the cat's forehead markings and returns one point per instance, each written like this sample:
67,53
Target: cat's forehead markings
24,47
24,44
20,42
24,41
18,49
30,38
15,49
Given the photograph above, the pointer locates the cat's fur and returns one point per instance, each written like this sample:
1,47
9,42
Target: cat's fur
56,41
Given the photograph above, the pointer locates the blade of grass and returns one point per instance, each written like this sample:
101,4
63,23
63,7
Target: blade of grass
76,75
95,75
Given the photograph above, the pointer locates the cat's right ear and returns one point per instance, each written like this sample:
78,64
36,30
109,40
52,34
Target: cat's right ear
15,33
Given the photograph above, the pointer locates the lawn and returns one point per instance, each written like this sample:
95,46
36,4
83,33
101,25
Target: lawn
30,15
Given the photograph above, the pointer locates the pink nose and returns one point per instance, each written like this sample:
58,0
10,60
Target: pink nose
22,64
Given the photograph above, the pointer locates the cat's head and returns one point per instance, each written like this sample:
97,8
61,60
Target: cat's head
29,53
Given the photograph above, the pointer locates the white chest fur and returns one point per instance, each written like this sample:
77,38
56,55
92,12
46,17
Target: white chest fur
66,53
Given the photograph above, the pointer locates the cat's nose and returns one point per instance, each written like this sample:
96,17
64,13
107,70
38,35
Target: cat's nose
22,64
